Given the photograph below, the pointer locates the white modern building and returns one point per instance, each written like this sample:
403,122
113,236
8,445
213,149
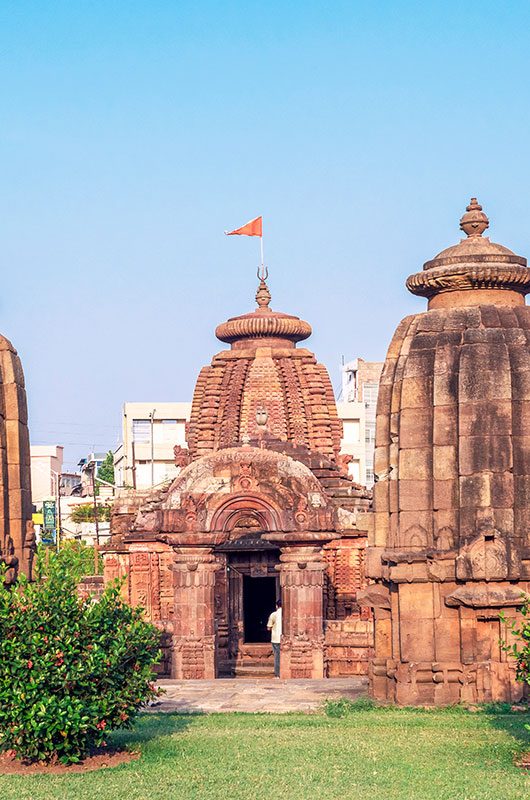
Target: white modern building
352,443
360,387
145,457
46,468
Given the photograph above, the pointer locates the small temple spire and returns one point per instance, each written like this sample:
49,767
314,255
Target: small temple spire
263,295
474,222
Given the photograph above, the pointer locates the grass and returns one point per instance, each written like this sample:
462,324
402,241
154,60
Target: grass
380,754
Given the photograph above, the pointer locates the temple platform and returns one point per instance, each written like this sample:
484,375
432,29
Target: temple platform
248,695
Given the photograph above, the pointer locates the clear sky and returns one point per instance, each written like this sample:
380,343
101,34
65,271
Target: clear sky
133,133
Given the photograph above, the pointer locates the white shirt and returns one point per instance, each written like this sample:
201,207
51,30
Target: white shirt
275,626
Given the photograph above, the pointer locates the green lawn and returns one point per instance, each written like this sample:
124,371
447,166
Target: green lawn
375,754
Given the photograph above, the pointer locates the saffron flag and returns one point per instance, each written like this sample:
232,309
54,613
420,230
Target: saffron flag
252,228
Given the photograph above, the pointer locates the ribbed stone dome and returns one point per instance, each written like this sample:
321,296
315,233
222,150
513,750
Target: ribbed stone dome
264,387
474,263
263,323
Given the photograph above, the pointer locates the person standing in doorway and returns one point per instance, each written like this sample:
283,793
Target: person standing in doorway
275,626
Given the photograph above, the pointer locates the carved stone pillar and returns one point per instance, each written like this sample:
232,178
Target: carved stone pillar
194,571
302,582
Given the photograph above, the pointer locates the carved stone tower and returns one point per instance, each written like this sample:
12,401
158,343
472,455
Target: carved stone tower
450,548
17,537
264,387
261,509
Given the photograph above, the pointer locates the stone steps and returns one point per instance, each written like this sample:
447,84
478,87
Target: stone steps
254,671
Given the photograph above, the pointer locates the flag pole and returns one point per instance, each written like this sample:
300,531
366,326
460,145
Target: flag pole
262,272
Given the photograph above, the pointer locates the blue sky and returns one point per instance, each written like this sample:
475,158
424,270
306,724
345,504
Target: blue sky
133,133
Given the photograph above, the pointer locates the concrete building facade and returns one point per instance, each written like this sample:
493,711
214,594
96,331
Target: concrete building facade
46,468
151,431
360,388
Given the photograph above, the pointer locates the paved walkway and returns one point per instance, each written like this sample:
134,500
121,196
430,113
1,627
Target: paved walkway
245,694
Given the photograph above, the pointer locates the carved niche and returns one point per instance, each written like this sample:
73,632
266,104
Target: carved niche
489,557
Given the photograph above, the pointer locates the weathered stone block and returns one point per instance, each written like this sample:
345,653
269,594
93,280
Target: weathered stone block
475,490
521,455
445,494
417,392
447,638
521,418
484,373
415,495
492,417
445,388
502,486
415,427
382,430
445,462
415,463
445,425
410,519
485,453
381,495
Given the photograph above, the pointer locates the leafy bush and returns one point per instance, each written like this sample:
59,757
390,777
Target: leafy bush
106,470
85,513
520,649
80,557
71,669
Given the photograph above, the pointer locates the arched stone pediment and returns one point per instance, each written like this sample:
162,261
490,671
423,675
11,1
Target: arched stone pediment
214,491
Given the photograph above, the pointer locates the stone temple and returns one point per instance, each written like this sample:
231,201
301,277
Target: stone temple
450,544
262,508
410,589
17,541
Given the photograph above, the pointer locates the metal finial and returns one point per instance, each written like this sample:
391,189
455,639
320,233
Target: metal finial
263,296
474,222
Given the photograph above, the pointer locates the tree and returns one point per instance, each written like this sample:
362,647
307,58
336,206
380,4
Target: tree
79,554
106,470
520,648
85,513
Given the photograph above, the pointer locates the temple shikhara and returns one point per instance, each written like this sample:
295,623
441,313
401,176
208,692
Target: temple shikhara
409,589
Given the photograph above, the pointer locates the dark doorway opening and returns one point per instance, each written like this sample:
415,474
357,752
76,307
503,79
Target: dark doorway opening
259,599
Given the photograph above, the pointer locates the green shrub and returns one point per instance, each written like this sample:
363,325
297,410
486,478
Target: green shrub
520,649
79,555
71,669
344,706
86,513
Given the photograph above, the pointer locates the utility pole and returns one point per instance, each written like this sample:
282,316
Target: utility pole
96,546
58,509
152,418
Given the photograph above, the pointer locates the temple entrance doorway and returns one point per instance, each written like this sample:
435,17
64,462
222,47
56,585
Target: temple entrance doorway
259,599
246,593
